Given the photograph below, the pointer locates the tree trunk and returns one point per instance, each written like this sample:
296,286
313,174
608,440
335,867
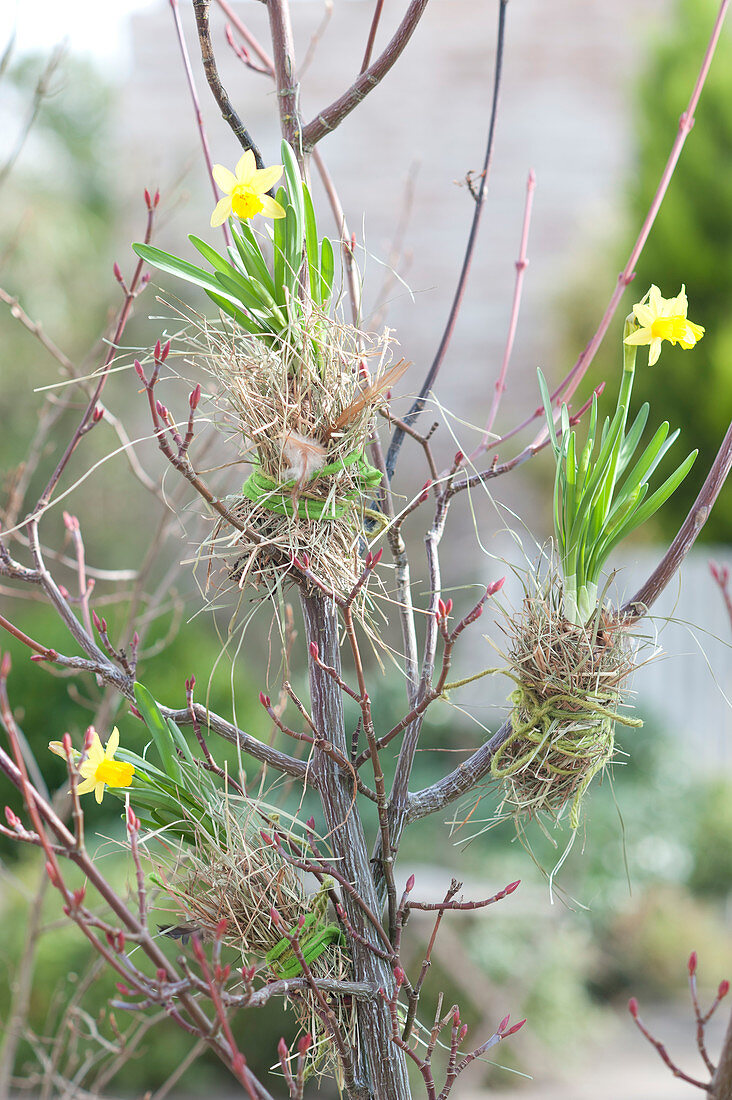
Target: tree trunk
380,1065
721,1086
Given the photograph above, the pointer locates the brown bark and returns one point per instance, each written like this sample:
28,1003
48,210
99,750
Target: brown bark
381,1065
721,1086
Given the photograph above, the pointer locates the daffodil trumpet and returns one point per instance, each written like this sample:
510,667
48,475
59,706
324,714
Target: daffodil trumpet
602,491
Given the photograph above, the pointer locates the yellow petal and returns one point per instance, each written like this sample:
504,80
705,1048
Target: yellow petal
264,178
222,211
654,352
271,208
99,792
225,179
96,752
644,315
655,301
679,304
86,786
112,744
640,336
57,748
246,167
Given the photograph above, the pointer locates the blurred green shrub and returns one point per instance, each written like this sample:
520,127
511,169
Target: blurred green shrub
691,243
711,871
645,946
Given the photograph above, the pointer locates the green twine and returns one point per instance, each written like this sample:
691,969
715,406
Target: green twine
594,745
269,494
314,938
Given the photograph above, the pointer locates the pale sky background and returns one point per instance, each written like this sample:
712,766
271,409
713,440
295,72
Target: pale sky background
92,27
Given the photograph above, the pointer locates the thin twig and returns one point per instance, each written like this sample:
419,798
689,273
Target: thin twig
419,403
197,108
210,68
521,264
330,117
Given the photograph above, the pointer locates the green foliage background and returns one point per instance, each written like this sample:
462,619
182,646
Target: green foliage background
691,243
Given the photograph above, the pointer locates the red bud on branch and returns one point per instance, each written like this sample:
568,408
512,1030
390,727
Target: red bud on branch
514,1029
633,1007
304,1043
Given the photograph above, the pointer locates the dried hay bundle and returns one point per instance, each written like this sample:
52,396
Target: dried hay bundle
233,874
569,692
300,407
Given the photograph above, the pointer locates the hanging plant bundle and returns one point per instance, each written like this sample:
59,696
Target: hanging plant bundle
296,386
240,878
571,656
571,685
301,412
215,864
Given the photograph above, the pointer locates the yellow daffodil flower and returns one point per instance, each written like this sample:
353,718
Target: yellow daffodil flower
99,769
663,319
245,190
